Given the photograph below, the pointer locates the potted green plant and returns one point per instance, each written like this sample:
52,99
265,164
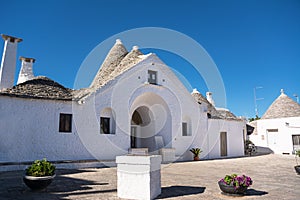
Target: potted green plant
196,152
234,184
39,175
297,167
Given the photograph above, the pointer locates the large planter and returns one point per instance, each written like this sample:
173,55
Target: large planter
38,183
231,190
297,168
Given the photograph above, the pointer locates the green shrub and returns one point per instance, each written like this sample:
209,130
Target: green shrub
196,151
297,153
41,168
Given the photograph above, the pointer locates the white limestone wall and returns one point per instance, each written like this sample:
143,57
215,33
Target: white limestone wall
280,142
87,121
235,138
30,130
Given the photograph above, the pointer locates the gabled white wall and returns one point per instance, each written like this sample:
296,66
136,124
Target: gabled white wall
121,95
286,128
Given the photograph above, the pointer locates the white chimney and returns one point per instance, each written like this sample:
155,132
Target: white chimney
209,98
26,72
8,63
195,91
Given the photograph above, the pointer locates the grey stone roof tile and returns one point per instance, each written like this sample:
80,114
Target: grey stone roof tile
212,111
39,88
112,60
282,107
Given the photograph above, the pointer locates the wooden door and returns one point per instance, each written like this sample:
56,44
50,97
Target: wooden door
223,143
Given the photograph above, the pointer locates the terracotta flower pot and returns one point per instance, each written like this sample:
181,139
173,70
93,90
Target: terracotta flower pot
196,158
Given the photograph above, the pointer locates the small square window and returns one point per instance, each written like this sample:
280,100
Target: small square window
104,125
152,77
65,122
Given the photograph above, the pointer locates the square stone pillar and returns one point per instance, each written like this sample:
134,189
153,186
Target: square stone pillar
168,155
139,176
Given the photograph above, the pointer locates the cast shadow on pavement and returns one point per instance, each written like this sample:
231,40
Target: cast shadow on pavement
176,191
252,192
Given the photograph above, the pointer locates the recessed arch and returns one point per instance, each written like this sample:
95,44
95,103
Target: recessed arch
151,122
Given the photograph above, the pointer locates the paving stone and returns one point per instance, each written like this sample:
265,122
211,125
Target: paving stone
273,175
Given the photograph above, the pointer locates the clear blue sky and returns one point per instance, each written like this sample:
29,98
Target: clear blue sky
253,43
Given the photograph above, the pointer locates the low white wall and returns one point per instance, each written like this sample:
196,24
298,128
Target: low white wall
30,131
235,138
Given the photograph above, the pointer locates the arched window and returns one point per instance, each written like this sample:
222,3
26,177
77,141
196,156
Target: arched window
186,126
107,121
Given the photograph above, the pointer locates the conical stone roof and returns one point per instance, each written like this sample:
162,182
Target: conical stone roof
117,61
282,107
39,87
130,60
112,60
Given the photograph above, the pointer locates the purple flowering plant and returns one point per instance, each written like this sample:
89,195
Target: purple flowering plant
237,181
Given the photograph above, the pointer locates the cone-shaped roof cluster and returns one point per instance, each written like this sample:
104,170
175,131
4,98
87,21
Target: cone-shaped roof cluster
211,110
113,58
282,107
117,61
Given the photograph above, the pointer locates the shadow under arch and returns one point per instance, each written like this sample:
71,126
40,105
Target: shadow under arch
151,122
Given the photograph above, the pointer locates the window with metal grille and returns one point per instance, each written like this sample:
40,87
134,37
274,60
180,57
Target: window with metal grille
65,122
105,125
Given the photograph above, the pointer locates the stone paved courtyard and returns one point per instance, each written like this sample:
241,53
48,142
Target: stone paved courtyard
273,175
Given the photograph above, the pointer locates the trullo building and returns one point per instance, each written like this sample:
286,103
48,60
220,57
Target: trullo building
279,127
134,101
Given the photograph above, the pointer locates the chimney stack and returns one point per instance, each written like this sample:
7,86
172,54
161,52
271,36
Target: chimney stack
26,72
209,98
8,63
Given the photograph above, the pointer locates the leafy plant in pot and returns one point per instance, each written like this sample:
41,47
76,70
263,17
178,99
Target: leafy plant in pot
196,152
297,167
39,175
234,184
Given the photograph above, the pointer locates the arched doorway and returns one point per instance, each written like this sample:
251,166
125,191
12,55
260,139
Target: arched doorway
151,124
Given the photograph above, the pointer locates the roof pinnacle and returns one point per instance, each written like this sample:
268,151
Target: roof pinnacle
118,41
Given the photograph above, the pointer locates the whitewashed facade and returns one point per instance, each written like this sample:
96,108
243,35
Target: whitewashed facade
135,101
279,128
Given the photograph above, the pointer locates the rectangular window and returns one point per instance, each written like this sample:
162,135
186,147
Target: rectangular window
184,129
296,139
272,130
152,77
65,122
104,125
